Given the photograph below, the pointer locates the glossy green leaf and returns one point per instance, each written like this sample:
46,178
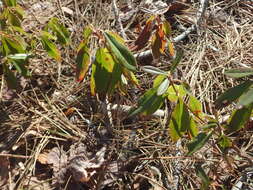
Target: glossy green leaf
10,77
153,70
148,103
180,120
82,61
50,47
63,36
176,60
120,52
232,94
163,87
106,73
239,118
198,142
238,73
202,175
246,98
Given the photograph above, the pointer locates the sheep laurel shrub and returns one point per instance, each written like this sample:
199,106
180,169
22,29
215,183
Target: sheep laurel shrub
113,67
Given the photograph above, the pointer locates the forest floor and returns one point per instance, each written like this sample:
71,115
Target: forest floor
53,133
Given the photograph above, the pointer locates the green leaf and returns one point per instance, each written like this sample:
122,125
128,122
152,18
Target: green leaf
19,56
193,129
13,19
202,175
154,70
173,96
167,28
20,66
130,76
50,47
158,80
176,61
19,61
10,3
246,98
120,52
87,33
12,45
83,61
224,142
10,77
106,73
195,106
238,73
158,42
198,142
63,36
163,87
180,121
239,118
148,103
232,94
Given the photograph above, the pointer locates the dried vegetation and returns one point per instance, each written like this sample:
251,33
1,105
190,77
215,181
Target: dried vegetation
53,133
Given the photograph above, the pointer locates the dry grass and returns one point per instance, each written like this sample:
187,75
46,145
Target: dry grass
34,120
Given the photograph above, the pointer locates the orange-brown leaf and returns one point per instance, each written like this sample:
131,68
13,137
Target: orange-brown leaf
144,36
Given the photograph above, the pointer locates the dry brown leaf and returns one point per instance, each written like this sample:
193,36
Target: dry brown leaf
4,169
144,36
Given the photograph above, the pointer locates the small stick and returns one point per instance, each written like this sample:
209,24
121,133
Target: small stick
117,17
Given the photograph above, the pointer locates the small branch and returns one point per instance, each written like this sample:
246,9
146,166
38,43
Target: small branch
117,17
200,14
125,108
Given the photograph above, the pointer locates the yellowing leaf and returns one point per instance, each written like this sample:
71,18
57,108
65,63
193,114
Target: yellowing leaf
173,96
130,76
106,73
171,49
195,106
180,121
158,42
167,28
82,61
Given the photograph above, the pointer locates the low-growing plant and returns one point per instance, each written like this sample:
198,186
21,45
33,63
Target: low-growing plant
113,66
